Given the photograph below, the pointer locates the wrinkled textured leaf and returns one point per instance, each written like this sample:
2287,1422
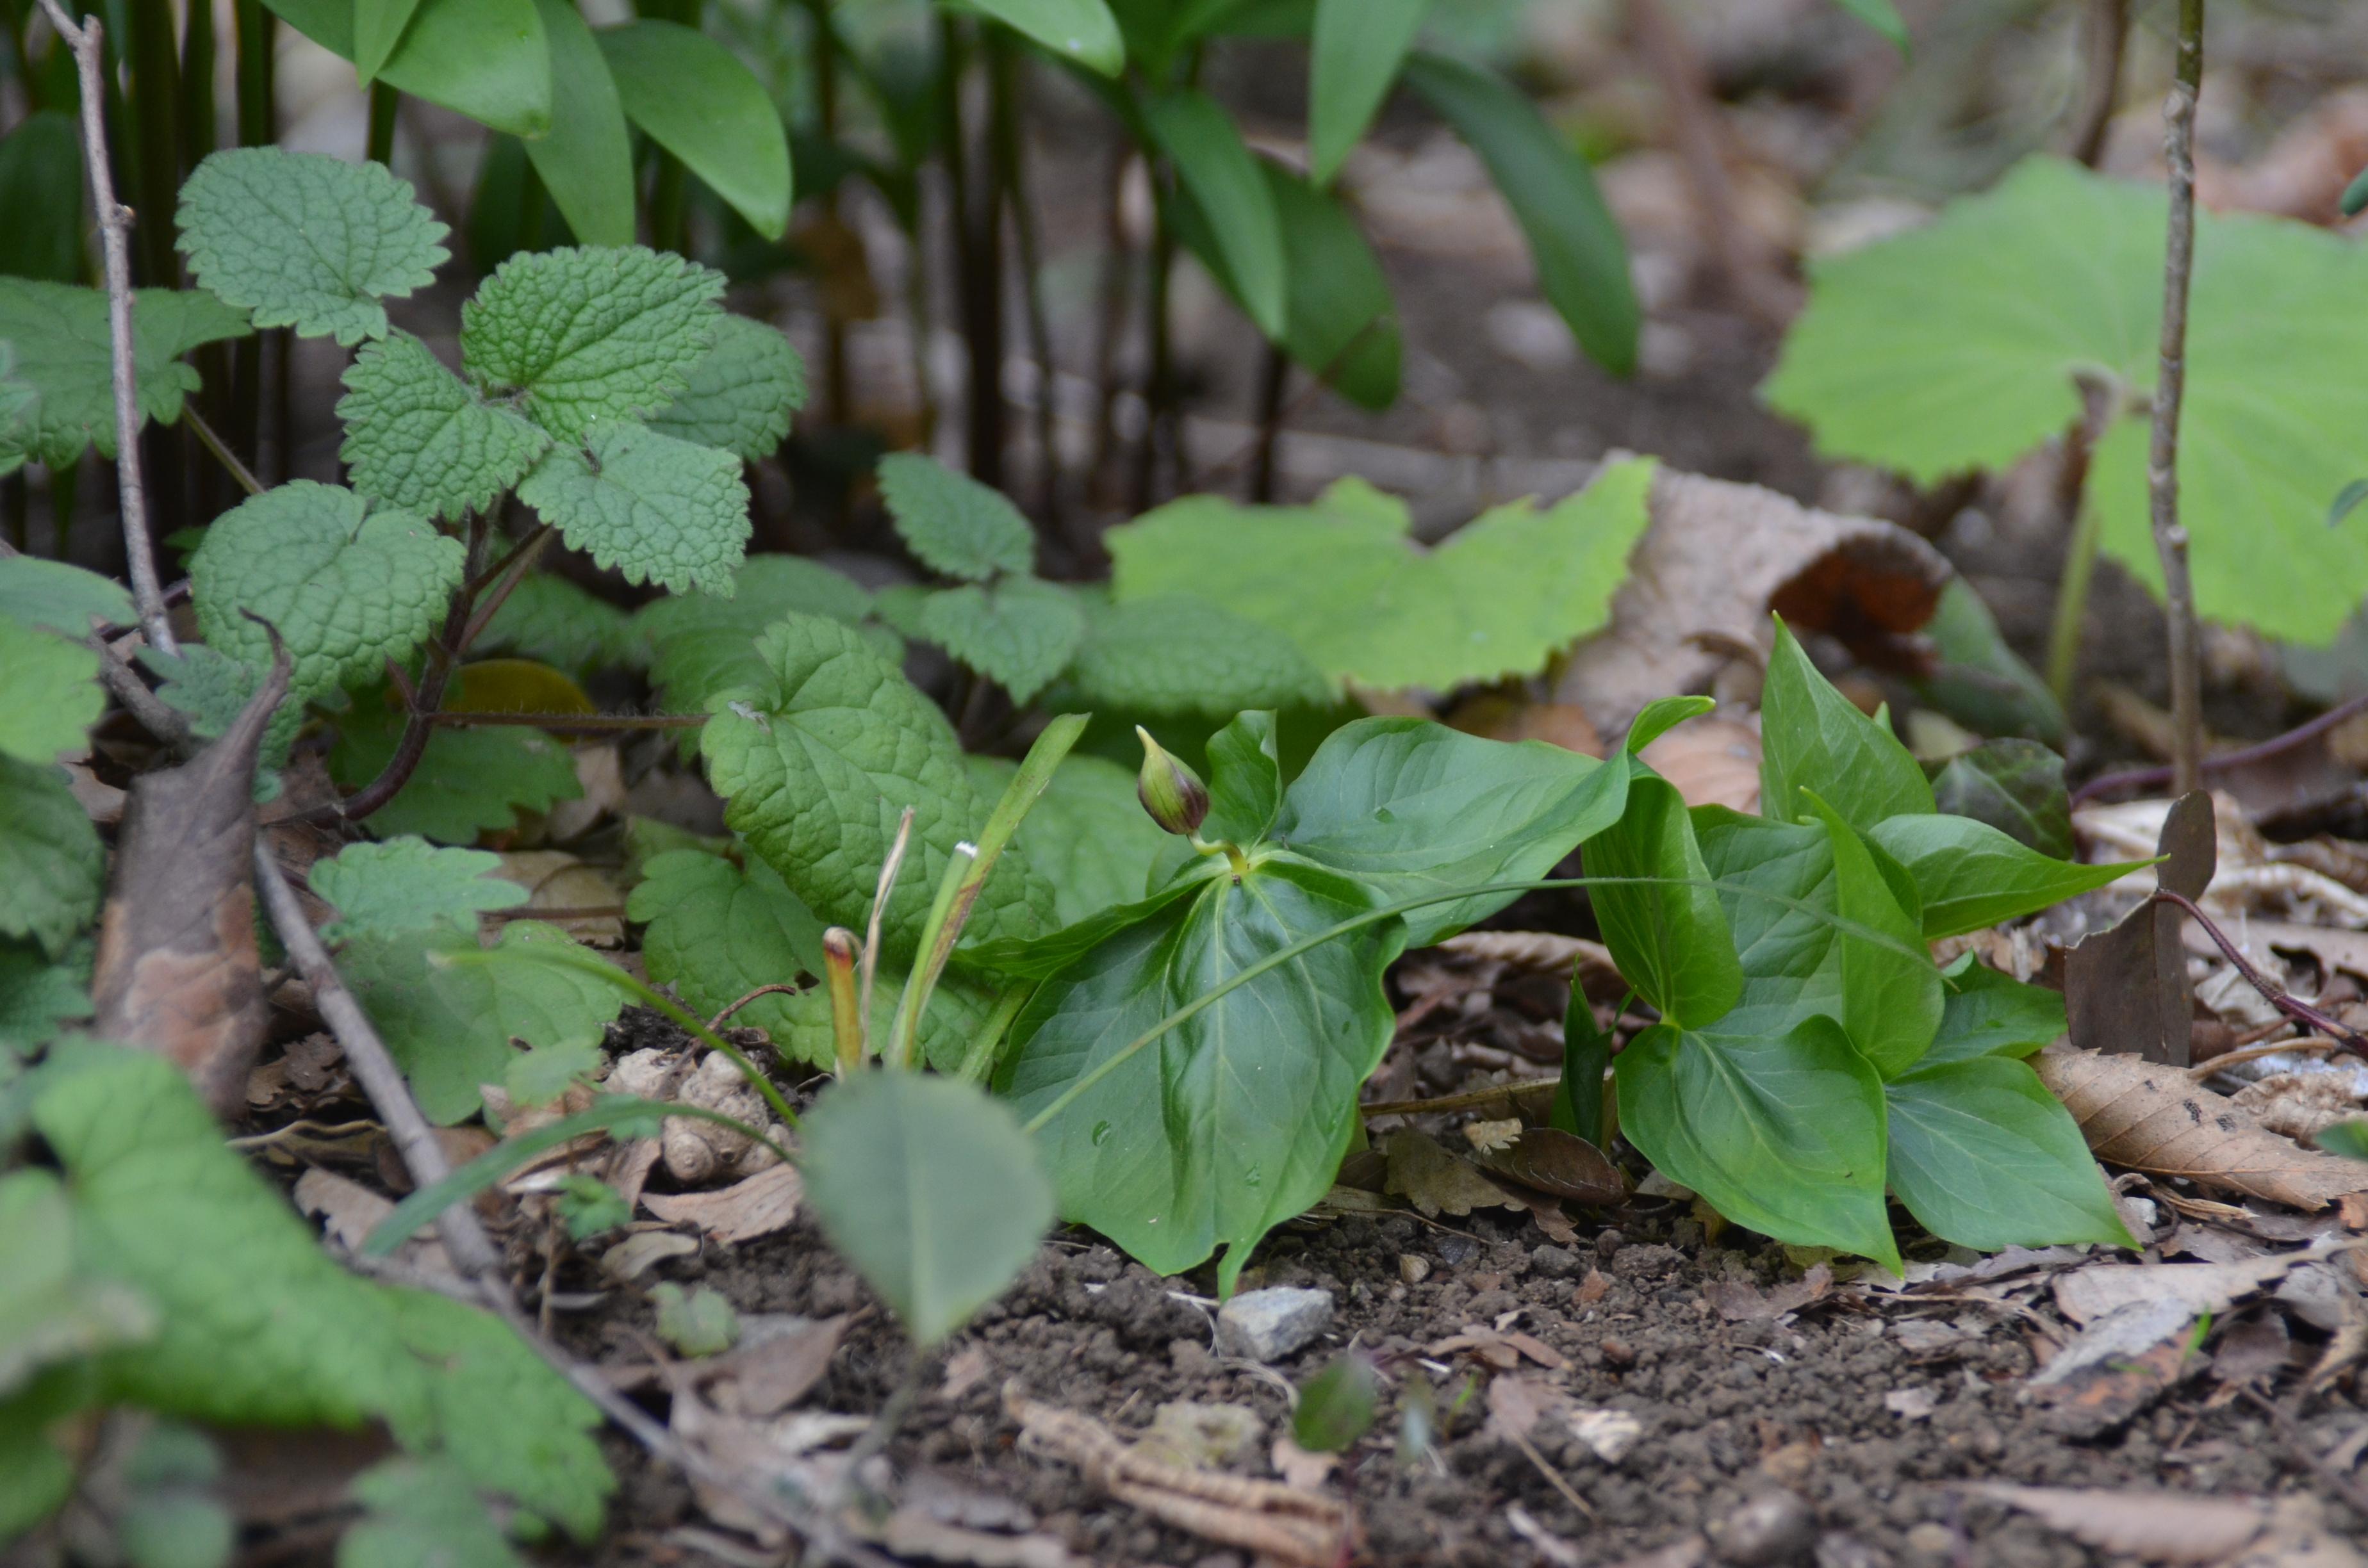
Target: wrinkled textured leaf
1971,875
2015,786
419,438
697,101
59,336
52,696
213,688
952,523
658,509
408,884
740,394
307,241
38,996
468,781
1019,633
718,931
550,619
1986,1157
1814,737
702,645
51,863
1182,653
422,1516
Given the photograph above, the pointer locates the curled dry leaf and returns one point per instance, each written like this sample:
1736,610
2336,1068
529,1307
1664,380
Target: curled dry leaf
2086,1293
1712,762
1555,1162
178,971
2169,1527
2149,1117
1426,1174
758,1206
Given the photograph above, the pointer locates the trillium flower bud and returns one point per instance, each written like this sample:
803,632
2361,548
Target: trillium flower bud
1171,791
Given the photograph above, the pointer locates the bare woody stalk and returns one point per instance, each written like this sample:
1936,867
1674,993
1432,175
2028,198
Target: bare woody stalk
2162,460
115,239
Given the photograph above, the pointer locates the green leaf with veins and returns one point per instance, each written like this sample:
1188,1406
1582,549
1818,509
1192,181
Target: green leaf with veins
696,100
407,884
654,509
1673,943
1499,597
741,393
38,996
2056,272
1181,653
1244,781
1984,1012
347,588
52,866
2017,787
1814,737
468,781
62,344
213,689
306,240
953,524
486,59
51,1311
1409,807
717,931
542,1075
549,618
1891,993
1082,30
450,1024
1971,875
1019,633
819,757
52,696
418,1514
957,1009
701,644
589,334
1985,1156
1237,1118
1784,1133
929,1189
1086,833
419,438
1214,165
60,597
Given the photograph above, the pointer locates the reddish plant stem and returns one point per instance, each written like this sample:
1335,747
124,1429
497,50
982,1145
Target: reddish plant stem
2299,1011
2155,778
569,723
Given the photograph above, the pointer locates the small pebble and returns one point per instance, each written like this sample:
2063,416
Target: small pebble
1774,1526
1413,1268
1618,1353
1933,1543
1267,1325
1553,1262
1456,1251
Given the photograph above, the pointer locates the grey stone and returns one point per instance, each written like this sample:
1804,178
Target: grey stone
1775,1526
1267,1325
1553,1262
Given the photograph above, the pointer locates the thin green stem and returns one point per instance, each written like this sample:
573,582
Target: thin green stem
986,1046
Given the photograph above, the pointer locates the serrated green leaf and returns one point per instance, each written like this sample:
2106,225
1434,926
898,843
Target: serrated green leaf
348,589
62,597
51,1311
1083,30
701,643
656,508
1499,597
419,438
1971,875
929,1189
586,162
1182,653
41,189
1989,1014
468,781
486,59
717,931
953,524
817,760
450,1024
52,866
700,1323
1986,1157
1813,737
2015,786
408,884
550,619
741,393
698,102
542,1075
1353,57
52,696
38,996
1019,633
590,334
2057,272
59,333
305,240
1214,163
422,1516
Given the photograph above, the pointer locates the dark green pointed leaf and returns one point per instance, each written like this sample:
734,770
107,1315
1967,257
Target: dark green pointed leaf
1337,1406
1986,1157
486,59
2015,786
1813,736
1577,1107
699,103
1353,57
40,189
1671,942
1659,717
1891,991
377,28
1245,781
1984,1012
586,159
1973,876
1216,167
1082,30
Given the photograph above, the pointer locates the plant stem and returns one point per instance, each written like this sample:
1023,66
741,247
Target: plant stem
670,206
1274,379
2162,459
380,148
1159,376
2098,404
2108,33
977,229
887,887
115,234
221,450
838,957
1117,289
2154,778
153,106
823,48
986,1046
2299,1011
197,126
1010,138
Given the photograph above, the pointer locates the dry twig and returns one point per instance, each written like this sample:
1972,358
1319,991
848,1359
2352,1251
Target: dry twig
2162,456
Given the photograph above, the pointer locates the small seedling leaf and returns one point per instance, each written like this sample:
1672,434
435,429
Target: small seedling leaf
952,523
1019,633
417,436
407,884
1337,1406
717,931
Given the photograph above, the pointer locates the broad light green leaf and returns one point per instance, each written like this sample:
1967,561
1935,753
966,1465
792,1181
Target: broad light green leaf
486,59
1973,876
348,589
1019,633
1986,1157
423,1515
590,335
550,620
1408,807
419,438
2017,787
701,643
377,28
1813,737
658,509
60,597
407,884
1989,1014
59,337
1891,991
929,1189
1671,941
307,241
1581,259
741,393
586,160
697,101
1244,781
818,758
52,696
1777,888
1083,31
52,866
1088,835
450,1024
1214,165
717,931
1353,57
468,781
1236,1119
2056,273
1783,1134
953,524
1182,653
1346,581
38,996
41,189
49,1311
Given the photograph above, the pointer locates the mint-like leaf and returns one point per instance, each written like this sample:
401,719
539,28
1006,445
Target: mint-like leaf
1019,633
658,509
952,523
717,932
39,994
468,781
347,587
52,866
408,884
701,643
741,393
550,618
417,436
420,1514
60,597
52,696
213,688
62,341
1183,654
307,241
590,334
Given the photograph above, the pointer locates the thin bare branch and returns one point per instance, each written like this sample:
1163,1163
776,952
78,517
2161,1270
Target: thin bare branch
888,869
2162,459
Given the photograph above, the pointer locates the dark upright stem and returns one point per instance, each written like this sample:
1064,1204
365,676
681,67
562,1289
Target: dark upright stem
977,226
2162,459
2108,31
1274,379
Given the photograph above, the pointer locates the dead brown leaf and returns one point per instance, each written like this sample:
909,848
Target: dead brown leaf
1518,1401
1712,762
2149,1117
1499,714
1424,1172
767,1372
2126,989
2169,1527
762,1204
1739,1301
2085,1294
554,880
1559,1163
